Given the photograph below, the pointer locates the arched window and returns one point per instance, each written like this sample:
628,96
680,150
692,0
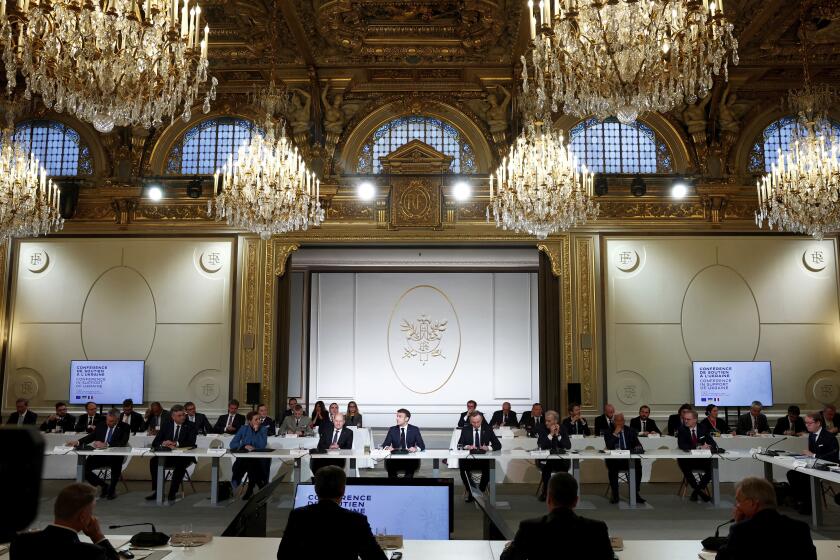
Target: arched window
438,134
57,146
206,147
765,150
611,147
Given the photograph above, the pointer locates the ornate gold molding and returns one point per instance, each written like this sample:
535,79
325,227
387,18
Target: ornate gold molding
553,252
276,256
248,316
585,306
281,255
557,250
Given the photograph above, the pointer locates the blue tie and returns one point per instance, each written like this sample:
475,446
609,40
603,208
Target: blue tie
621,440
108,437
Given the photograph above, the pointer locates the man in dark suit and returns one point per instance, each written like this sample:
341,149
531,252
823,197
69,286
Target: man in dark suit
504,417
87,422
604,423
676,420
554,438
73,512
403,436
760,531
822,445
477,436
580,537
326,427
266,420
464,418
532,420
22,416
154,419
130,417
643,423
230,423
790,424
61,421
753,422
623,437
575,423
176,433
110,433
341,534
339,437
691,436
291,410
199,420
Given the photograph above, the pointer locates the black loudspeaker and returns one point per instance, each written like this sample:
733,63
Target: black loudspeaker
573,393
252,393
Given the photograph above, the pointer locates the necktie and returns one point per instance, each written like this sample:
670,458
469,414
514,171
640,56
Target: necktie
335,437
753,421
693,437
812,440
402,439
90,421
192,418
297,423
477,442
230,420
643,425
108,436
20,419
177,432
621,440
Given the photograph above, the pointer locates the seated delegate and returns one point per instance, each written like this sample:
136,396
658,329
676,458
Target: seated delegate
110,433
476,436
554,439
405,437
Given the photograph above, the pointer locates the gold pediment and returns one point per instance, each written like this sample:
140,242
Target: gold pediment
416,157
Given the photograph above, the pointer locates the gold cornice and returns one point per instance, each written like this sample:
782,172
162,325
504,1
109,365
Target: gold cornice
554,254
281,256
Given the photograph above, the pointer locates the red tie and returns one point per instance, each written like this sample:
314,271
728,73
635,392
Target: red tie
694,438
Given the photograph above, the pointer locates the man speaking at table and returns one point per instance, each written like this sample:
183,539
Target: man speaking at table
174,434
622,437
406,438
689,437
823,446
477,436
110,433
326,527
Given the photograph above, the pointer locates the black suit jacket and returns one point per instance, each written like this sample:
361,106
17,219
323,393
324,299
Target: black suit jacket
650,425
674,423
603,424
720,426
577,428
68,424
57,542
412,438
221,423
562,441
498,419
202,424
341,534
165,418
464,419
703,437
745,424
783,425
531,423
576,536
824,447
485,435
768,535
270,426
135,422
345,439
186,437
119,438
631,439
82,421
29,418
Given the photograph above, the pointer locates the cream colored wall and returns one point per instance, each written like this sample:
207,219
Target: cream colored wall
166,301
720,298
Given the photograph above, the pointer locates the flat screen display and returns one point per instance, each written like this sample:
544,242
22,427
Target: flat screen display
732,383
106,381
416,509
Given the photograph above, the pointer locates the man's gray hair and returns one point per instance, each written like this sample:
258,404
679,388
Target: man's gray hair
114,412
552,414
758,489
757,403
176,408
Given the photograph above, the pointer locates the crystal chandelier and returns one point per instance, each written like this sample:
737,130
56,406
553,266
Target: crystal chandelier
539,188
625,57
267,189
801,193
109,62
28,200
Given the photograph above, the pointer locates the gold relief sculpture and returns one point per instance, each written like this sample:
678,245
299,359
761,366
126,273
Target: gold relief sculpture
632,210
423,338
585,298
566,307
276,257
248,314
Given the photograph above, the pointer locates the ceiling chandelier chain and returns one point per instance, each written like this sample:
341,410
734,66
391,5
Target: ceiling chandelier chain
625,57
801,192
109,62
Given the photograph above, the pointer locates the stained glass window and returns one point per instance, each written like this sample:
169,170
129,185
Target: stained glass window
57,146
777,136
611,147
206,147
438,134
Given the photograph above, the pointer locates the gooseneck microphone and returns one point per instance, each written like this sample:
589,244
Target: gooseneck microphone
145,538
716,542
769,453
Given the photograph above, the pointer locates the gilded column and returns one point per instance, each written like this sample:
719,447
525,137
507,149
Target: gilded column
276,256
585,319
248,363
558,252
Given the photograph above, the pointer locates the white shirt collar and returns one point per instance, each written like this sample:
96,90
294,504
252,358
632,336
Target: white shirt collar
817,433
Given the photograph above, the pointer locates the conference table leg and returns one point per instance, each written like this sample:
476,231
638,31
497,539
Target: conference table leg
214,481
159,489
436,468
768,471
492,482
80,468
816,502
632,482
296,470
351,466
715,481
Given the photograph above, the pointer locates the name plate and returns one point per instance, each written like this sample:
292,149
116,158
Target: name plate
378,453
653,435
726,436
620,452
140,450
62,449
333,451
799,464
216,451
291,435
540,453
577,436
459,454
701,452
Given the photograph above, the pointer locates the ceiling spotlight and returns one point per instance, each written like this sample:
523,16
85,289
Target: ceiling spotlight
601,186
679,189
638,186
154,193
462,191
194,188
366,191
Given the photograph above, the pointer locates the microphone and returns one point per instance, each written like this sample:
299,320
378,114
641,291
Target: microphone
145,538
769,453
716,542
